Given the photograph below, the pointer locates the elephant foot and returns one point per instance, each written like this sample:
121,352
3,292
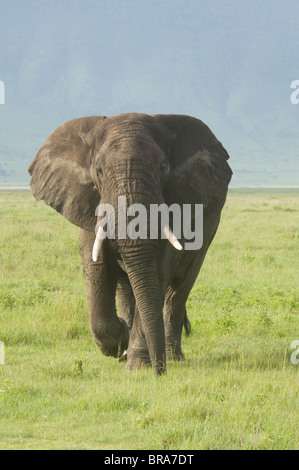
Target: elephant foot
174,354
138,356
143,361
137,360
113,345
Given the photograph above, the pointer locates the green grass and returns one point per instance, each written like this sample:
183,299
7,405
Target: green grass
237,388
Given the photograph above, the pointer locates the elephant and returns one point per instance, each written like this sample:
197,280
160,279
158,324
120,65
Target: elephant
137,289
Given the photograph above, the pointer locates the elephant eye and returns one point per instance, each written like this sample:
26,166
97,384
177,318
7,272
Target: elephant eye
99,172
163,166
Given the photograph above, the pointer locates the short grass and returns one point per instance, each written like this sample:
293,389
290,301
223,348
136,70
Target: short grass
237,388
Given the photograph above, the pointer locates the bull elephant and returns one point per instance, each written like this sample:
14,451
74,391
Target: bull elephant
152,160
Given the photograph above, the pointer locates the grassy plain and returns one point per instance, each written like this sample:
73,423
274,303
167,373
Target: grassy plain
237,388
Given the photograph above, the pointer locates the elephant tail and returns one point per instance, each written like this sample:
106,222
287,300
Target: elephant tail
187,324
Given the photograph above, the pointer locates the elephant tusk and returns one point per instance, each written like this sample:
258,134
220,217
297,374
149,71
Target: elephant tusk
171,238
97,244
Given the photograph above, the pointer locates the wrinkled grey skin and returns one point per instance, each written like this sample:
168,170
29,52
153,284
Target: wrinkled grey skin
150,159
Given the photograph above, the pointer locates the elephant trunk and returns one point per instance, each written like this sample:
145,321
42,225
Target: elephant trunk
140,259
141,266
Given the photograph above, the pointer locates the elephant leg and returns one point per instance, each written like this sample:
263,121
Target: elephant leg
138,353
111,333
125,299
175,314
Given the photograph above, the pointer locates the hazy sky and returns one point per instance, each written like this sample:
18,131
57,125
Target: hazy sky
227,62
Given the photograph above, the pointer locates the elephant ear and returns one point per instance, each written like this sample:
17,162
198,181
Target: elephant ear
199,172
60,172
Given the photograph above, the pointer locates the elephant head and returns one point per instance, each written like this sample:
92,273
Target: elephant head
150,160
